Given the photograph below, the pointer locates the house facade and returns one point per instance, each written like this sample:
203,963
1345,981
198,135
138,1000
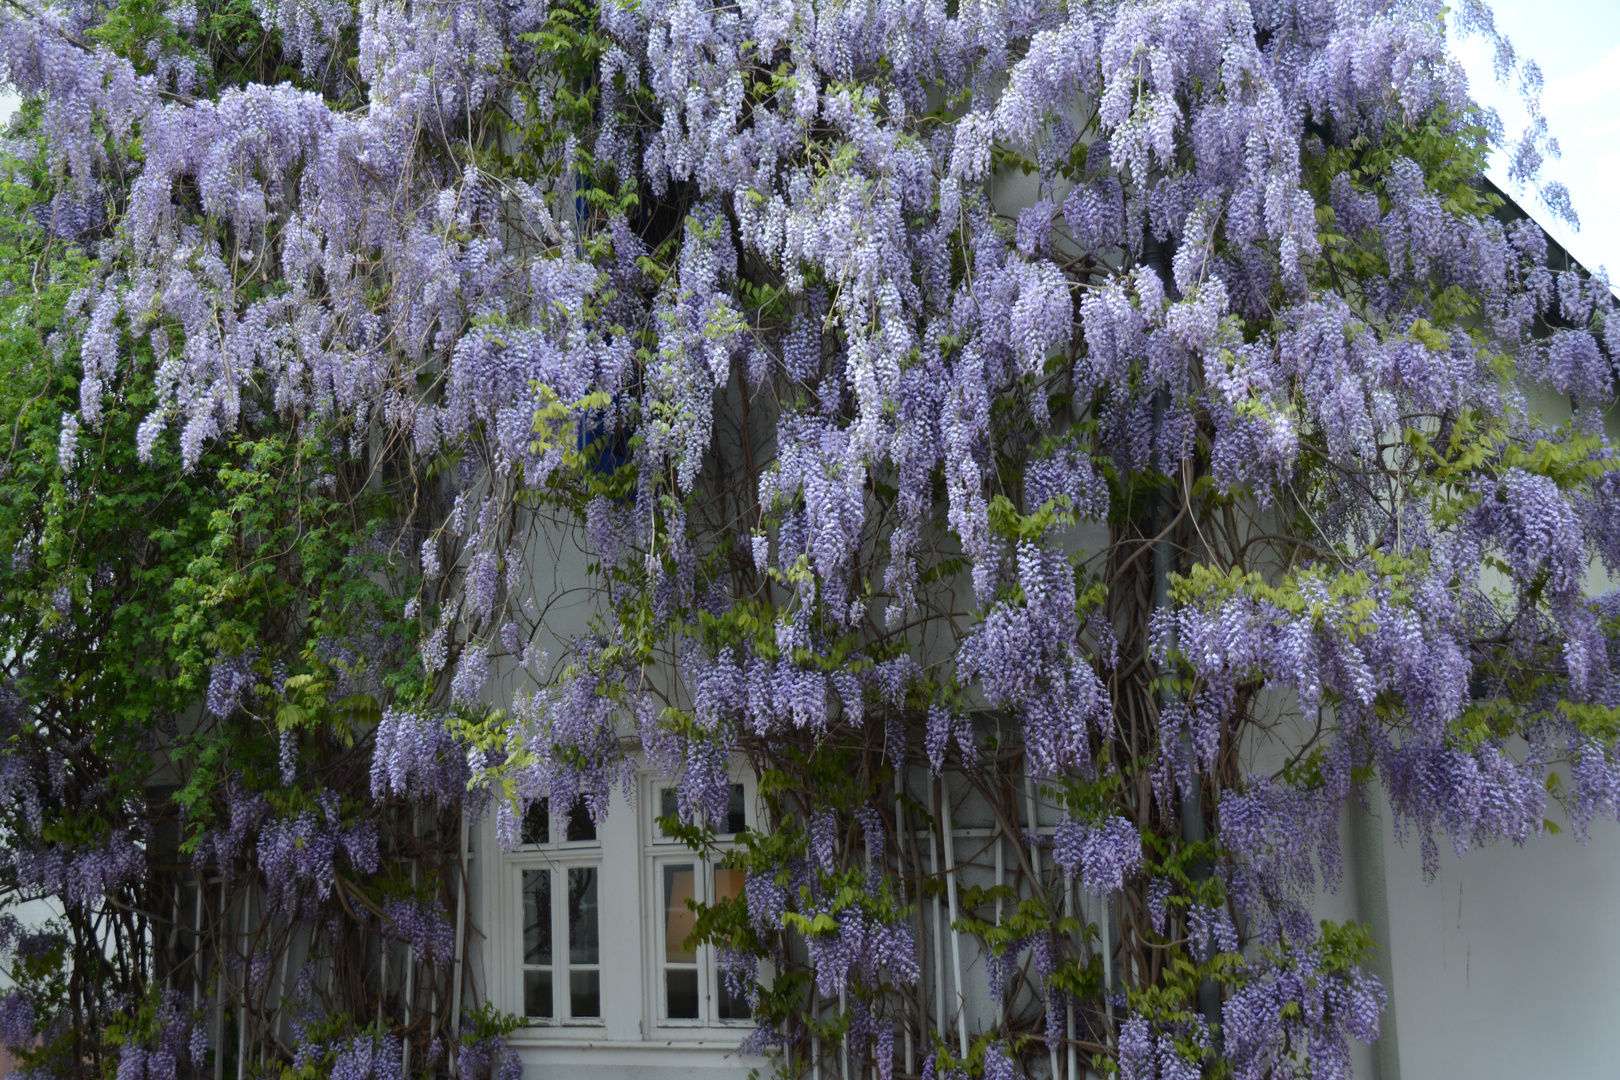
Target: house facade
1499,967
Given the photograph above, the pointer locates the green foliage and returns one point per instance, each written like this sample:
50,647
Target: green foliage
125,580
488,1022
110,538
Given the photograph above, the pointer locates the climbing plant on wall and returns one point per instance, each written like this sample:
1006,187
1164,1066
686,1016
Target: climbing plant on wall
194,662
1075,401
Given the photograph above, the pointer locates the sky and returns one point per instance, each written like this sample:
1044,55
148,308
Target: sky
1577,44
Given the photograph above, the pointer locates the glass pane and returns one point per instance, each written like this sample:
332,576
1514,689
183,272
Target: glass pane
667,806
678,918
537,824
580,825
584,994
732,1007
582,936
681,987
537,917
728,883
736,811
537,993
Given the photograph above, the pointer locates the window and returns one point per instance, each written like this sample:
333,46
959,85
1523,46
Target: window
690,990
537,825
736,810
562,974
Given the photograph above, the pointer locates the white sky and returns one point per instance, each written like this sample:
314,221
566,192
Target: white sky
1577,44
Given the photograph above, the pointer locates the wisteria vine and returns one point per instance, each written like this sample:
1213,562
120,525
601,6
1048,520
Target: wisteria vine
1036,400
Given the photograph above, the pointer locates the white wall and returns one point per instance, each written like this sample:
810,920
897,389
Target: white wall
1506,966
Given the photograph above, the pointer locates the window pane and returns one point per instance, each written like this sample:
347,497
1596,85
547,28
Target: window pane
667,806
728,883
736,811
582,936
580,825
678,918
584,994
537,993
537,824
732,1007
681,986
537,917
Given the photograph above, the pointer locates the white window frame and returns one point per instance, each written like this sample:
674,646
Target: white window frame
661,851
557,856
